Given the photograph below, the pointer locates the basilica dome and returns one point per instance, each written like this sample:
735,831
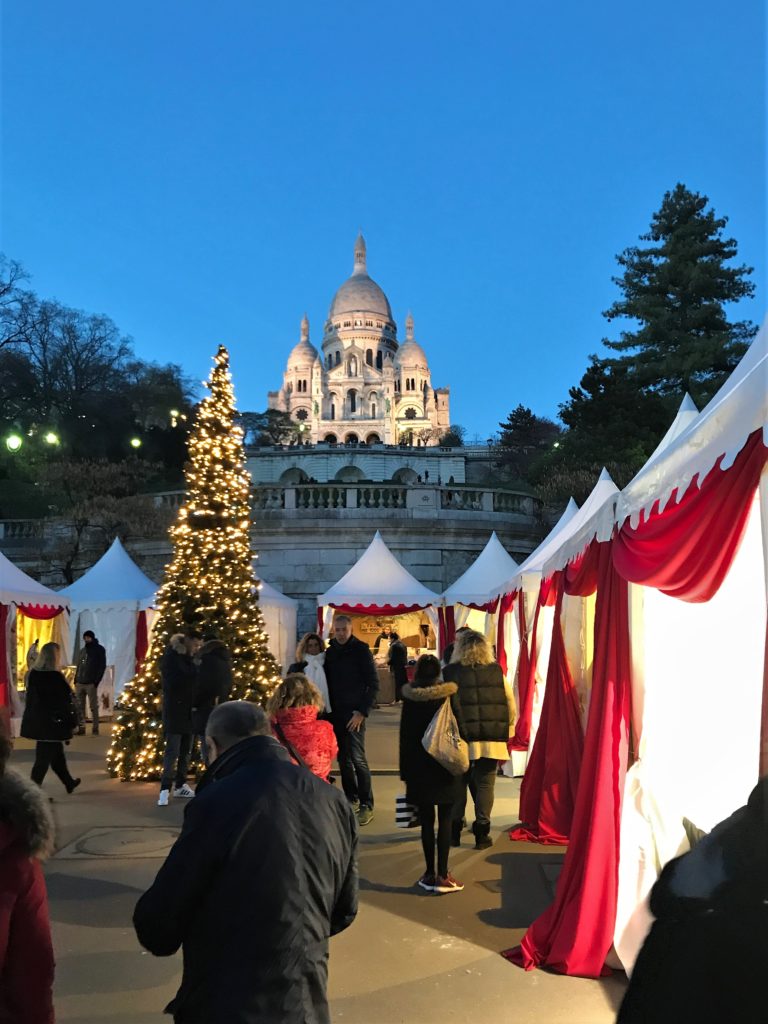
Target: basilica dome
304,352
359,293
411,354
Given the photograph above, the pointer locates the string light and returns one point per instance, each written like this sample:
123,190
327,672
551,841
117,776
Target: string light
208,584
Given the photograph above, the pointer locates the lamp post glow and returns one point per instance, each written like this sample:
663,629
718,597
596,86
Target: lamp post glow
13,442
51,438
135,442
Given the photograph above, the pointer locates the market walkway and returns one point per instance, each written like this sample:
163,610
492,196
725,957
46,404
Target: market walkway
409,957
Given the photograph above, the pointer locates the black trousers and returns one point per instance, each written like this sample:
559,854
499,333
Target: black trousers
50,755
444,819
353,764
481,779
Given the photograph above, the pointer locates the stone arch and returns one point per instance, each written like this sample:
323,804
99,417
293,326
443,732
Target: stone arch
330,439
373,439
405,475
349,474
351,438
294,475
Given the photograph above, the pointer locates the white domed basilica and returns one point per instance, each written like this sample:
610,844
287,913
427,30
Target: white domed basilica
364,387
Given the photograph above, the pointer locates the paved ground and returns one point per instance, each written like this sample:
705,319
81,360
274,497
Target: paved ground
409,957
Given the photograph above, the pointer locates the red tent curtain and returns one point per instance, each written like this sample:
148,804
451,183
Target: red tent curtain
377,609
686,550
574,935
506,603
448,620
526,674
548,791
40,611
142,640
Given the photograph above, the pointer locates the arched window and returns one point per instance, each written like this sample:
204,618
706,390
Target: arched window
373,439
373,410
330,439
352,398
369,356
338,358
379,361
351,439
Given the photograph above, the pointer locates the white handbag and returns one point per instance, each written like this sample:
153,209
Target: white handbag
443,741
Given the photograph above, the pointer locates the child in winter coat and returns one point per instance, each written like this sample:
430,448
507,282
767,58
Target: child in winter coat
26,952
294,707
428,784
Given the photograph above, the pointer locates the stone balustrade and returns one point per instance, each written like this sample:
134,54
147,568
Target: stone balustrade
20,529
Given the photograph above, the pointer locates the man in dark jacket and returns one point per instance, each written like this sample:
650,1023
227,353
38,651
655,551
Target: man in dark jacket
178,672
398,664
352,687
91,666
263,873
214,684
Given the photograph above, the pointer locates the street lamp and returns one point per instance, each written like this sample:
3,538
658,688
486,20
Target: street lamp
135,442
174,416
13,442
51,438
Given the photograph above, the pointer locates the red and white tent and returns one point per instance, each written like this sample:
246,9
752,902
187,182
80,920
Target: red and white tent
473,599
377,584
22,601
678,649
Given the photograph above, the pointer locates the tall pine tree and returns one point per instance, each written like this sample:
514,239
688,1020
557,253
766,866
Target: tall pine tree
676,289
208,585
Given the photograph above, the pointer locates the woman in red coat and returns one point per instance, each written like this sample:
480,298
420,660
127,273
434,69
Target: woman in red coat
294,707
26,952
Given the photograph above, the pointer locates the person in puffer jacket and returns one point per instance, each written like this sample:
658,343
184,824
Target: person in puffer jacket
293,709
26,952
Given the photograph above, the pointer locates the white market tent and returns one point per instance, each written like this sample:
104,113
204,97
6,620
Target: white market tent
279,613
377,584
109,599
20,593
468,596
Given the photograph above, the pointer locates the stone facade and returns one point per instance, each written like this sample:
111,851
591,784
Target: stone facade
364,386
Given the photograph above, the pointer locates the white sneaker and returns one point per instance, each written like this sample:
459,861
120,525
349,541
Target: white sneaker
162,800
184,791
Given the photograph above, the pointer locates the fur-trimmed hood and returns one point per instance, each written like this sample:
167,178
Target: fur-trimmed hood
25,814
177,644
424,693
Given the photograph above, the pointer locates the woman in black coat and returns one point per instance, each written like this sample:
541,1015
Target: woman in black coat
428,784
49,717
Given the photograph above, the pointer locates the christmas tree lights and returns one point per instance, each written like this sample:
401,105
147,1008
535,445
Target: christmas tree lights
208,585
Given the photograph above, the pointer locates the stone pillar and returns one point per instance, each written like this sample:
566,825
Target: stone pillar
290,498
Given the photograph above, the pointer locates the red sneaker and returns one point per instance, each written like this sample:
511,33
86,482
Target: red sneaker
447,884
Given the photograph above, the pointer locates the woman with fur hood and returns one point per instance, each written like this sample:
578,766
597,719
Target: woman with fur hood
427,783
488,707
26,952
310,659
293,708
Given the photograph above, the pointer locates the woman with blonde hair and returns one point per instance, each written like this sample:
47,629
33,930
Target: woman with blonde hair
50,717
293,708
488,711
310,659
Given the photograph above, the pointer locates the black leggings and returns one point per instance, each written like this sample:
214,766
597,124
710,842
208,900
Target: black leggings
50,755
427,819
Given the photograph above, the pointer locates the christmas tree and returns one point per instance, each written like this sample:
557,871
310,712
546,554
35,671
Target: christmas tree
208,585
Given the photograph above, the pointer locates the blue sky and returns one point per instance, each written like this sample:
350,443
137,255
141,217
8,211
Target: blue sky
199,172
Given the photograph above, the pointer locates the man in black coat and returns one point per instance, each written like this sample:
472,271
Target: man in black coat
213,685
91,666
263,873
398,664
178,673
352,688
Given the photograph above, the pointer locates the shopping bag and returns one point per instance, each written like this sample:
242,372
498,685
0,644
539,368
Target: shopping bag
406,815
443,741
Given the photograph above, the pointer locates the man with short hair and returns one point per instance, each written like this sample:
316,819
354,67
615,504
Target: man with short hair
91,666
263,873
352,685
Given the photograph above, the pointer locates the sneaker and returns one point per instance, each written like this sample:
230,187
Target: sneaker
447,884
355,805
162,800
184,791
364,816
428,882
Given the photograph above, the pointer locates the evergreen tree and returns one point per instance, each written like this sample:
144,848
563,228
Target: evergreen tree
676,288
209,583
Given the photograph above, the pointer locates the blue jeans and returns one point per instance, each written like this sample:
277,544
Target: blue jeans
178,747
353,764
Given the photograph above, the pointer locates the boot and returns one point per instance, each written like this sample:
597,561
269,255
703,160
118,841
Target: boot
482,835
